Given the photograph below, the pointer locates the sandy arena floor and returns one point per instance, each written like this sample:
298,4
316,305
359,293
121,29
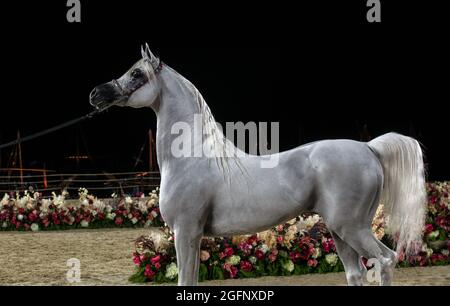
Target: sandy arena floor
105,255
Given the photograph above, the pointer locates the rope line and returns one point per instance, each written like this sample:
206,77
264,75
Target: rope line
91,188
85,181
77,174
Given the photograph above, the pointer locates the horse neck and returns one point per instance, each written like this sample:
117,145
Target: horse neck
177,103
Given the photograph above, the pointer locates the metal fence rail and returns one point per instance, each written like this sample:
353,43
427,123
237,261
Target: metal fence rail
103,184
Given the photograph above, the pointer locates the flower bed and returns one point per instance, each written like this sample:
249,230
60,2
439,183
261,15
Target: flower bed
300,246
31,212
294,248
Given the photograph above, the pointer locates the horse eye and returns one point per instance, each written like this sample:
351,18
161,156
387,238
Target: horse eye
137,73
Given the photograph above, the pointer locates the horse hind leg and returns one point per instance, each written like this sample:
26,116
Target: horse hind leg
387,270
354,271
366,244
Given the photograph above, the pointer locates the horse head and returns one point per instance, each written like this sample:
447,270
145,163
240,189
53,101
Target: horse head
138,87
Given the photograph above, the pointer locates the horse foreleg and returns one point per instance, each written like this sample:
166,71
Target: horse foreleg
187,245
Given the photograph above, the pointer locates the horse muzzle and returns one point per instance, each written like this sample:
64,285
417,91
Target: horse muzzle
104,95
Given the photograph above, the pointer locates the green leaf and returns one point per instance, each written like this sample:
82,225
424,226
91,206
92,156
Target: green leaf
203,273
217,273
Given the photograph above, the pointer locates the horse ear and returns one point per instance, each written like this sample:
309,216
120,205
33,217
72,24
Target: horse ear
143,54
149,53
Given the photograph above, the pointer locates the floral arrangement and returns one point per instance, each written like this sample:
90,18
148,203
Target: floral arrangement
302,245
32,212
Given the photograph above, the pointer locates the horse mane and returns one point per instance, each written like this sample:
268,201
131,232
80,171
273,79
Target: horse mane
220,148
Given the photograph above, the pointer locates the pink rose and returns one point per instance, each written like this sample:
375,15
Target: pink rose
273,255
155,259
428,228
157,265
232,270
149,273
312,262
136,260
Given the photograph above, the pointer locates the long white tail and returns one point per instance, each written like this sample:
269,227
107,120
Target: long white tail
404,192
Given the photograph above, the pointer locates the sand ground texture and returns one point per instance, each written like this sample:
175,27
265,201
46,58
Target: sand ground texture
105,255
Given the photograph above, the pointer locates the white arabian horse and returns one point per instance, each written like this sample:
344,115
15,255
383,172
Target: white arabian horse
342,180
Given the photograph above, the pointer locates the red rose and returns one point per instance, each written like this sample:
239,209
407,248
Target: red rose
259,254
118,221
226,253
229,251
155,259
32,217
280,239
157,265
252,239
246,266
294,256
428,228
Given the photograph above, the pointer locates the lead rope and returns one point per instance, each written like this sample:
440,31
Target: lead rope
55,128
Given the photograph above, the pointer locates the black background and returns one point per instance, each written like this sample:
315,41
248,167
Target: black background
319,68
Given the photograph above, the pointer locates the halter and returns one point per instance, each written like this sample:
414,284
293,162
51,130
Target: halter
127,93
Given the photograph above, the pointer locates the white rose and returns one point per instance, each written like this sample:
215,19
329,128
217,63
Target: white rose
34,227
317,253
331,259
429,252
84,223
264,248
134,220
171,270
20,217
289,266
